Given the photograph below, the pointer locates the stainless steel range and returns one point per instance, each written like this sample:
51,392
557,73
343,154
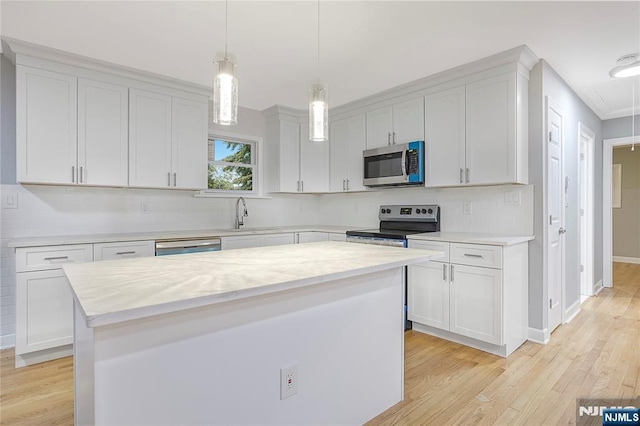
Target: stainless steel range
396,223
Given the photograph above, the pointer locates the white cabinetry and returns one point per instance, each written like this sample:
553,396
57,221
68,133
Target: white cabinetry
399,123
311,237
123,250
167,141
46,126
333,236
294,164
347,141
264,240
477,295
44,303
476,133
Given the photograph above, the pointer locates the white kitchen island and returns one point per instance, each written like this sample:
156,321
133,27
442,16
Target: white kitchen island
201,338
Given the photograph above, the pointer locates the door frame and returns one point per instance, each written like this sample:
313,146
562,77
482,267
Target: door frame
607,219
589,136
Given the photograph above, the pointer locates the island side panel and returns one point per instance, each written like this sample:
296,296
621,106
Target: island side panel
83,363
221,364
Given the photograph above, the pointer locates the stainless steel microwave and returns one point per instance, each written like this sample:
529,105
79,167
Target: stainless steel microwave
394,165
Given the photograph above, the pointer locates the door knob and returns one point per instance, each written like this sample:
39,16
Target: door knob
562,231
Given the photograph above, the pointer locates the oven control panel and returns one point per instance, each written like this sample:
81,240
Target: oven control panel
410,212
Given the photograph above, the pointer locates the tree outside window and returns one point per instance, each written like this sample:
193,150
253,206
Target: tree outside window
232,165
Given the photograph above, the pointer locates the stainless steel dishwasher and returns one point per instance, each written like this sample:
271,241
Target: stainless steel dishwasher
187,245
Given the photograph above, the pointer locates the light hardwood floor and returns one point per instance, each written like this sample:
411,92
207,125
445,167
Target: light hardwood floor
597,355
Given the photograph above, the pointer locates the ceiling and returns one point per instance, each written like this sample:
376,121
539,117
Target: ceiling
365,46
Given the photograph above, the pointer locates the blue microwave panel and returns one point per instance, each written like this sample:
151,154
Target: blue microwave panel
417,177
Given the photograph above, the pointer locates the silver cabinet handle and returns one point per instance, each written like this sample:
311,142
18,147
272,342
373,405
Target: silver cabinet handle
344,184
444,272
451,273
175,179
461,172
81,180
473,255
73,174
388,138
467,174
562,231
57,258
302,185
169,179
347,184
123,253
394,138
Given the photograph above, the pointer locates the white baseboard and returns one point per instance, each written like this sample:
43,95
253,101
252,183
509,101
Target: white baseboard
597,288
622,259
539,336
7,341
572,311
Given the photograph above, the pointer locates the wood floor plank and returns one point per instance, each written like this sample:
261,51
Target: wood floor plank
594,356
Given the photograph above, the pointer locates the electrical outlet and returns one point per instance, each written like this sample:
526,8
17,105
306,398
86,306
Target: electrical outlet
466,207
288,381
10,200
144,207
512,198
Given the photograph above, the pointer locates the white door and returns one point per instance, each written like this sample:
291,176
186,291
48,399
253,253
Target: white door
46,126
428,294
491,130
314,163
338,147
149,139
555,215
289,156
379,125
103,124
189,144
445,137
476,303
408,121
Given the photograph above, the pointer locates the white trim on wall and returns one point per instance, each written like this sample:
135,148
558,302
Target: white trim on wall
623,259
607,223
588,136
539,336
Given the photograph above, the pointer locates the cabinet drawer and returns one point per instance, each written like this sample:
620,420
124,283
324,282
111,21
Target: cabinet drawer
431,245
123,250
476,255
51,257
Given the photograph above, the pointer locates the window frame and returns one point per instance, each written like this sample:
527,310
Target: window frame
255,144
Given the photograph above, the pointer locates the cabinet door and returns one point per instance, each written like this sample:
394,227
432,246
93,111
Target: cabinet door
275,239
355,145
189,144
44,311
428,294
476,303
408,121
123,250
379,125
244,241
314,163
491,130
46,126
149,139
311,237
289,156
103,123
338,146
445,137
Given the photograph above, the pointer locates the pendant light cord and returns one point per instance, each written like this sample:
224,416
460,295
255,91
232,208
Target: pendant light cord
226,27
318,41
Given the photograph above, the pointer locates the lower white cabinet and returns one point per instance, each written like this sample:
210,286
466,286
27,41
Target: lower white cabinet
248,241
123,250
334,236
481,306
311,237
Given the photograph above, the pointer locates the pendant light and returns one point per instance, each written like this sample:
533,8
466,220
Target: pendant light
225,84
318,103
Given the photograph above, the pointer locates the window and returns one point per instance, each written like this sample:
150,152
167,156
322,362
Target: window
232,166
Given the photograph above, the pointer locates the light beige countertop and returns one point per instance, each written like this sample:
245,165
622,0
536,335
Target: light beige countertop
163,235
473,238
119,290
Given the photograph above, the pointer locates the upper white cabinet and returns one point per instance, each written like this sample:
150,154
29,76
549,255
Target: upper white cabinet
399,123
86,122
476,133
103,144
46,126
347,141
294,163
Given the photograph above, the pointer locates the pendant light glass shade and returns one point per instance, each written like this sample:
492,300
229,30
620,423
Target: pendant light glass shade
319,112
225,90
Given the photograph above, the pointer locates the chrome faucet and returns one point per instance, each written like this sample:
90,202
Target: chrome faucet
240,219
